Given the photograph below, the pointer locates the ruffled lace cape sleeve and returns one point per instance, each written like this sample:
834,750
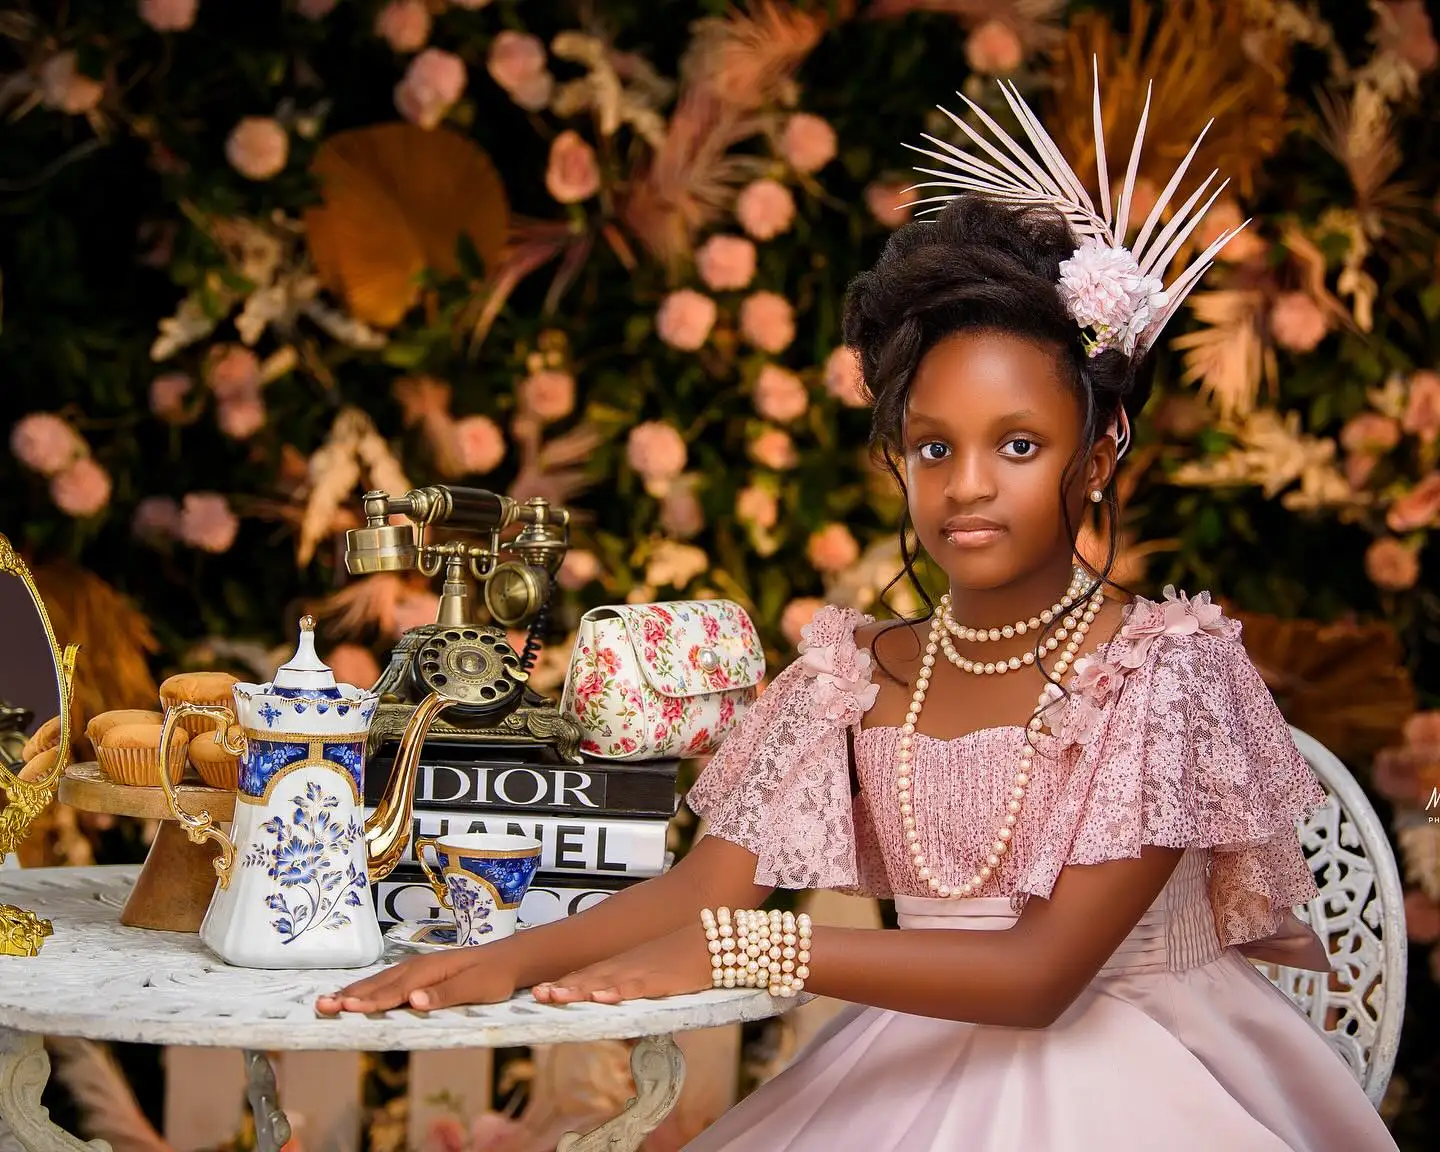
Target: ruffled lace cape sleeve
1169,737
779,785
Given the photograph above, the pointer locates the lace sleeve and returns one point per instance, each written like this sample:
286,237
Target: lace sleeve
1173,739
779,785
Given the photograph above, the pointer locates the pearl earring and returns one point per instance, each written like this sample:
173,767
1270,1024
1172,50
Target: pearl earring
1096,495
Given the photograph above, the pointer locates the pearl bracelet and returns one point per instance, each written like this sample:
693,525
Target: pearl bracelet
750,949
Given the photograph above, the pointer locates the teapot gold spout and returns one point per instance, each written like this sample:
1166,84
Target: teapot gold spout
387,831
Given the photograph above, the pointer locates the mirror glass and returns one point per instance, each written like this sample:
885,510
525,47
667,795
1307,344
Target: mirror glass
29,678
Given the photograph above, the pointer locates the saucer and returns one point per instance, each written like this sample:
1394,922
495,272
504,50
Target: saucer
427,935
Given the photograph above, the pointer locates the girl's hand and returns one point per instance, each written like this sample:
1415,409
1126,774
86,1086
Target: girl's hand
668,966
483,975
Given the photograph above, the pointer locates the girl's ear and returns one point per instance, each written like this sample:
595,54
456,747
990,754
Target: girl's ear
1101,468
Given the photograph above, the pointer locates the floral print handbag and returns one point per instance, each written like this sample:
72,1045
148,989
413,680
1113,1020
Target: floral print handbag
653,681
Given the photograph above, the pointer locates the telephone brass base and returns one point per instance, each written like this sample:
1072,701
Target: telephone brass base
536,720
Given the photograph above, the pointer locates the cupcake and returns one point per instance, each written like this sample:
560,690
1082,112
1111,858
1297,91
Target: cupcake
40,765
215,766
46,737
208,688
101,724
130,754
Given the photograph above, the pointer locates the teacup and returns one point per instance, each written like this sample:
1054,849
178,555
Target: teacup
482,879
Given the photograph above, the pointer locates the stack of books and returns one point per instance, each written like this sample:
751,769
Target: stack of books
601,825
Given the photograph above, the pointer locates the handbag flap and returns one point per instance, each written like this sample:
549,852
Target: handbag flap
691,647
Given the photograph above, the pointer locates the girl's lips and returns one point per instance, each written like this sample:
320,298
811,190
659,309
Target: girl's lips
973,537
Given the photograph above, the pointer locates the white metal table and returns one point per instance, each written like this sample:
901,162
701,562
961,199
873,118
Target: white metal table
98,980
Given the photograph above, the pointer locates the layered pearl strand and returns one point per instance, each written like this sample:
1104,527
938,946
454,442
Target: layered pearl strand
1078,581
1072,631
769,950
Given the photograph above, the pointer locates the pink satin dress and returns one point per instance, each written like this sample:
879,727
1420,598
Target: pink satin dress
1169,737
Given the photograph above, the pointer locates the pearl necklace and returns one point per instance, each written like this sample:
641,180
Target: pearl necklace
1076,629
1078,579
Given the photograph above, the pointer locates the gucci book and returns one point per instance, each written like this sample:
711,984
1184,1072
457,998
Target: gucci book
406,895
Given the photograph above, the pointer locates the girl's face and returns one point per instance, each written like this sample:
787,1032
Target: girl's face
990,428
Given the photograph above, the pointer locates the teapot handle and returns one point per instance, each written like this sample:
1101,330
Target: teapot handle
202,827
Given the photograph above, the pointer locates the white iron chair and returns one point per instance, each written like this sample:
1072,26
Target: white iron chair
1360,914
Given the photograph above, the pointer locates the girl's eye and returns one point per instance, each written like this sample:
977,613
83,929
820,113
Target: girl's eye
932,450
1020,448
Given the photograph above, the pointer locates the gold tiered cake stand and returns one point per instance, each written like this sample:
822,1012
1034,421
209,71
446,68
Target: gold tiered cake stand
174,887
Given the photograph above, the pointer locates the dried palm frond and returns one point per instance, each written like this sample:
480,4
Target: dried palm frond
531,245
748,56
1359,133
1215,63
692,178
106,1104
555,470
1035,22
1229,357
353,449
397,199
1343,683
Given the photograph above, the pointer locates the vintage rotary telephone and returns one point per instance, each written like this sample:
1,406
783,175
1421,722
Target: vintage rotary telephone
470,663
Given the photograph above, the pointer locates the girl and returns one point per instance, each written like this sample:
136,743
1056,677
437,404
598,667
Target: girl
1084,809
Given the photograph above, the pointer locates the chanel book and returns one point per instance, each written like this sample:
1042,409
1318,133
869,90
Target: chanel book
602,846
451,781
406,895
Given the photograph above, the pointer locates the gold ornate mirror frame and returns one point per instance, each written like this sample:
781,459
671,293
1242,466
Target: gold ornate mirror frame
22,932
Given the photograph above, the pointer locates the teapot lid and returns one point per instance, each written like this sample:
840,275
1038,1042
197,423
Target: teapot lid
305,671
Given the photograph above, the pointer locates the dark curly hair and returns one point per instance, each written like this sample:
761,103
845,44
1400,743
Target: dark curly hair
979,264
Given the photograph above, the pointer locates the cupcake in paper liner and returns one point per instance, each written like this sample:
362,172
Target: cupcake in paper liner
44,739
97,728
211,689
130,754
212,763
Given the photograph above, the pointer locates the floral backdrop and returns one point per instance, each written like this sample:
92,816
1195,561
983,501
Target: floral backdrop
259,258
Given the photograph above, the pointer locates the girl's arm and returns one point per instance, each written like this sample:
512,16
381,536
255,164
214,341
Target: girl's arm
1023,977
713,873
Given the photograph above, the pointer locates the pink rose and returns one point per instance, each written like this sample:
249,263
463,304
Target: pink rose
404,25
315,9
167,396
680,513
774,449
1297,323
257,148
1408,33
46,444
685,319
1422,732
890,204
1176,615
1358,468
168,15
832,549
82,489
578,569
207,523
64,88
844,379
353,664
808,143
573,173
1418,508
415,609
481,443
1422,917
726,263
1391,565
470,5
1096,680
796,617
767,321
656,451
548,395
516,62
156,518
232,371
993,49
765,209
1422,407
758,506
431,86
241,417
780,395
1370,433
1225,214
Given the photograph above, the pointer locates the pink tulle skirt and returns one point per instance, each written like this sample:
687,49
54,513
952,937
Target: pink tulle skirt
1211,1057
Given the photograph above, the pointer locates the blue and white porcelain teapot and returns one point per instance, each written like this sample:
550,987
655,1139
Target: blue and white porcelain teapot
294,888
